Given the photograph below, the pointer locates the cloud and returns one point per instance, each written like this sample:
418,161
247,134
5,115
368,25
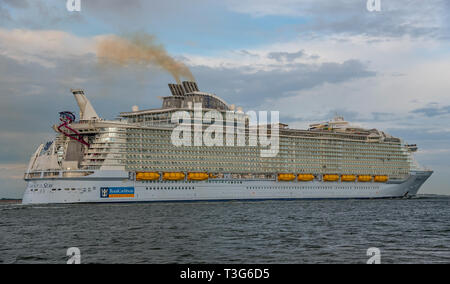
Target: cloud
44,46
247,87
432,111
397,18
286,56
247,53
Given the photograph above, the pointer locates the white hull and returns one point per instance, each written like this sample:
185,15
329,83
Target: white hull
94,189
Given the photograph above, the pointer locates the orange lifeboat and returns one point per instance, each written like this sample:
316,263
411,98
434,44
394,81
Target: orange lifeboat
286,177
197,176
364,178
381,178
173,176
305,177
348,178
147,176
330,177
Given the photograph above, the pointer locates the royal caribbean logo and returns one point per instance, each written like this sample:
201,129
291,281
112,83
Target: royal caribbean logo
116,192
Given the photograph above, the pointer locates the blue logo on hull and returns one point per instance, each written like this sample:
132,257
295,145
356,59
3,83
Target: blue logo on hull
116,192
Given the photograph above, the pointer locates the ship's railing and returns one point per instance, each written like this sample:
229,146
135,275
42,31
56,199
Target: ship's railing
57,174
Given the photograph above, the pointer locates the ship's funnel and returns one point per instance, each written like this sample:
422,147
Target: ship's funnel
176,89
190,86
87,111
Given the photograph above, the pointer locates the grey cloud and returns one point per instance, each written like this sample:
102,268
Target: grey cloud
432,111
397,18
286,56
239,85
247,53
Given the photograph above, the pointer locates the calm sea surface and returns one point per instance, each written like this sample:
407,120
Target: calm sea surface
405,231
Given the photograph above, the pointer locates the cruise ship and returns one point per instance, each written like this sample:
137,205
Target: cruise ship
133,158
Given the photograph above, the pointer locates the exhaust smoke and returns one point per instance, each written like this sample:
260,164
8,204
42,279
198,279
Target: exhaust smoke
140,49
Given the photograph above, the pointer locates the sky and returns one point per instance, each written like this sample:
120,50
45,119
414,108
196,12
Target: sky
308,59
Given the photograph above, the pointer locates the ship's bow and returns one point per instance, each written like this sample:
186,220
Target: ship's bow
420,177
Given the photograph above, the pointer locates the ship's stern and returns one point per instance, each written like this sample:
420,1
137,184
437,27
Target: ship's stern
27,195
